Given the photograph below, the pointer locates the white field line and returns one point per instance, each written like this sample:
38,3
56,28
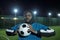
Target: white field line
5,37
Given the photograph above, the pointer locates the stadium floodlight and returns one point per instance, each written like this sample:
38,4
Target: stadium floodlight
35,12
2,17
15,18
58,14
15,10
49,14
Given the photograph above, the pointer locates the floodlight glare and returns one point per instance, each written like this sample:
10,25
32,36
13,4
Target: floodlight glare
2,17
15,10
49,14
58,15
15,18
35,12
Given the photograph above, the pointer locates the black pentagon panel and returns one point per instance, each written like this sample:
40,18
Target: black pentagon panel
21,32
24,26
28,31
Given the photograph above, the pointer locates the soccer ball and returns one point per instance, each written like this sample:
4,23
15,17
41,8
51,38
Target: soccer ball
24,29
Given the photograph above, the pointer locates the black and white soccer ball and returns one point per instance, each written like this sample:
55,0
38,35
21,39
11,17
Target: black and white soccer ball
24,29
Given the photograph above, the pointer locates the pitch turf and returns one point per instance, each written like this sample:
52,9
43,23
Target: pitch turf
3,35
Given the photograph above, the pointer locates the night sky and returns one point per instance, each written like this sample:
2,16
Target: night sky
42,7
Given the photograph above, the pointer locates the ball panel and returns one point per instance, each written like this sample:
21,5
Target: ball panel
21,32
28,31
24,26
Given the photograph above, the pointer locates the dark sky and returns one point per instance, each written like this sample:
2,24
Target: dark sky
42,6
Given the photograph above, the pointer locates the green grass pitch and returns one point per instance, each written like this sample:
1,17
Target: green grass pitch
3,35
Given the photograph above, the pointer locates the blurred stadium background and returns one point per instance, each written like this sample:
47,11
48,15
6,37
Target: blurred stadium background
8,21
